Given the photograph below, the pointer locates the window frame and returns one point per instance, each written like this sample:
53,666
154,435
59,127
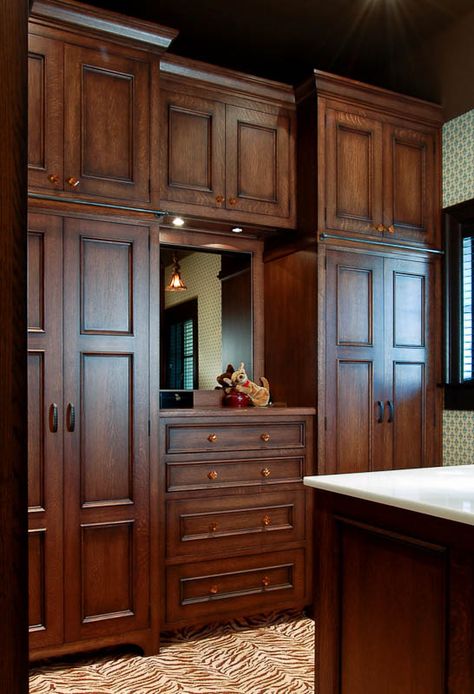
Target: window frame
459,395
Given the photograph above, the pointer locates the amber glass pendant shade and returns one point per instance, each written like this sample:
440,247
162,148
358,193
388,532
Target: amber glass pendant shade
176,284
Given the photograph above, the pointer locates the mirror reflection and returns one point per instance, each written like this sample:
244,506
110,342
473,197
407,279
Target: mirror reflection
206,315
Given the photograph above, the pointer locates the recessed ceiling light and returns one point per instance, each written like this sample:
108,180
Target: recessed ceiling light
178,221
237,230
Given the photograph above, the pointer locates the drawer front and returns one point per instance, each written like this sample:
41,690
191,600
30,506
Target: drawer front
209,437
207,590
214,526
220,474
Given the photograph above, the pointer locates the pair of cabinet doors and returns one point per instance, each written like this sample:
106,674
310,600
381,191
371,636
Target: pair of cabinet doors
88,411
381,177
89,122
381,362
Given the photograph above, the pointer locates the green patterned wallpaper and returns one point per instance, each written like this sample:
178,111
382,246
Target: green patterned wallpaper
458,185
458,159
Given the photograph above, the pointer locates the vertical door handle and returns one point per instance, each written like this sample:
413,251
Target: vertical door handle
71,417
391,411
53,418
381,407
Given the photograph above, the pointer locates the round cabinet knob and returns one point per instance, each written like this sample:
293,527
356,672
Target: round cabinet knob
220,199
391,229
53,178
73,182
379,227
265,472
214,590
266,520
212,474
212,438
213,527
265,581
265,437
232,201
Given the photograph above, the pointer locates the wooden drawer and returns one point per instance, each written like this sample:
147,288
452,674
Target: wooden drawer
181,476
211,589
209,437
214,526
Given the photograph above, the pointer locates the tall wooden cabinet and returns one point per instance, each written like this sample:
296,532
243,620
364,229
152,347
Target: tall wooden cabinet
93,80
369,212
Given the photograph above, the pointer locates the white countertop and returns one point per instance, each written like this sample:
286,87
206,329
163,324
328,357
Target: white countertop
445,492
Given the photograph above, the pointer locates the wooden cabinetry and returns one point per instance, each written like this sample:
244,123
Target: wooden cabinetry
381,362
89,482
228,552
377,156
107,94
227,145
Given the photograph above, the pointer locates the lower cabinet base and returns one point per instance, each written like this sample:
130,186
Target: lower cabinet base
146,639
212,590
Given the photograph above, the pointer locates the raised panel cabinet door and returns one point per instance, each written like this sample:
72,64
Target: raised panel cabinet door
354,362
45,113
259,169
45,433
411,189
192,149
106,428
353,173
106,126
411,362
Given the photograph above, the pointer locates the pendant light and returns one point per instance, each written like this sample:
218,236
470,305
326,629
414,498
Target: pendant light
176,284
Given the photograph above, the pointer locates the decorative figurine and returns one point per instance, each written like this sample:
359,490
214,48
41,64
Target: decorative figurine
259,395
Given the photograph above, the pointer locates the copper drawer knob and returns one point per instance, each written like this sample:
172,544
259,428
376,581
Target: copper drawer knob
266,520
73,182
265,472
391,229
379,227
214,590
232,201
212,474
220,199
213,527
265,581
265,437
53,178
212,438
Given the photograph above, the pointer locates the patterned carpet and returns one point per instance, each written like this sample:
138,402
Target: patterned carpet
263,655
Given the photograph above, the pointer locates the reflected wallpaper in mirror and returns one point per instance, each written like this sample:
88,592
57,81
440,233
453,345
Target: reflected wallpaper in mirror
209,324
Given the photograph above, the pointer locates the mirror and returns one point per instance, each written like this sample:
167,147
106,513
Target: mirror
208,324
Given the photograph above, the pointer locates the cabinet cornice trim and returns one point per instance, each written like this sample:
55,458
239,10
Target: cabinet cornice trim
61,13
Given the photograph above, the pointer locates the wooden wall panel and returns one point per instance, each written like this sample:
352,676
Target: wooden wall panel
36,580
355,303
409,310
36,430
409,397
35,281
354,414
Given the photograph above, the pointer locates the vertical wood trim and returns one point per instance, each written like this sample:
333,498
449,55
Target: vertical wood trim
13,496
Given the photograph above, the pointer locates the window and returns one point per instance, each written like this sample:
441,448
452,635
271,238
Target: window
459,225
181,346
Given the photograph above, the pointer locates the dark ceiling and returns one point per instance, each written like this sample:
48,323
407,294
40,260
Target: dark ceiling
286,39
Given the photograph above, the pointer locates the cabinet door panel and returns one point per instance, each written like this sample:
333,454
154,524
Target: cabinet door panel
258,163
45,450
107,473
353,172
107,125
411,197
45,113
354,361
410,362
192,149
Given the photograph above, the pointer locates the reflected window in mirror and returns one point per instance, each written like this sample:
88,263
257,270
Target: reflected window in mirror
209,325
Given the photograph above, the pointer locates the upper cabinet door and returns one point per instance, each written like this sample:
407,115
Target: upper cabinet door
45,138
411,195
106,130
258,162
353,173
192,150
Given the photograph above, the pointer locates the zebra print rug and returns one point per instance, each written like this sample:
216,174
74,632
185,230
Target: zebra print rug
272,654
